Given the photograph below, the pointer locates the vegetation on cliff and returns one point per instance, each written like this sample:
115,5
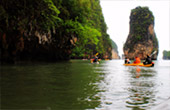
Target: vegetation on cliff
166,54
142,39
140,19
52,30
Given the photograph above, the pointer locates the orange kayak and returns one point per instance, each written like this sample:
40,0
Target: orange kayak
139,64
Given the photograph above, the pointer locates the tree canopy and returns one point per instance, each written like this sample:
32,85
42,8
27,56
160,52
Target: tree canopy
52,29
141,18
166,54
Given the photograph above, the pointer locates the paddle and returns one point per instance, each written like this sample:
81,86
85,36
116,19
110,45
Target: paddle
97,54
153,53
95,58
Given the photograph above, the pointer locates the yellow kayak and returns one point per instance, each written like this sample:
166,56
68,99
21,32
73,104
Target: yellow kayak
139,64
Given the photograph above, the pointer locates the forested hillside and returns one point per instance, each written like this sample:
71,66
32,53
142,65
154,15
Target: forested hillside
52,30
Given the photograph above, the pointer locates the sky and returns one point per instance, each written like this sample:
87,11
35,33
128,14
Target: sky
117,13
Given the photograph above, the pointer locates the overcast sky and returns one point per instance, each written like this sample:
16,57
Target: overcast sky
117,12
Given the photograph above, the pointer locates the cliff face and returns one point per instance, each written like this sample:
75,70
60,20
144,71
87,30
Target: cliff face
52,30
115,55
142,39
115,52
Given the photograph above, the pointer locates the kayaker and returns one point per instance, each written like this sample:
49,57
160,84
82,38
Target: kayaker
137,60
127,61
148,60
95,59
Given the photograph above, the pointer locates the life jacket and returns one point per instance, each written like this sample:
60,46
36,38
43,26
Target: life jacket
137,60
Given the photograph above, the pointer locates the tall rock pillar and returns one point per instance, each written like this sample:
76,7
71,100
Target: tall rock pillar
142,39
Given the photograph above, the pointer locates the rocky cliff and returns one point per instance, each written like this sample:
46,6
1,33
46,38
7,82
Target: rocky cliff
52,30
142,39
115,54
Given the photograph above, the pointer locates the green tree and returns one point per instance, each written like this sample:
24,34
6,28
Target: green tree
73,28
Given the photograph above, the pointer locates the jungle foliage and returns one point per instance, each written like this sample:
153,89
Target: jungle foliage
72,28
140,19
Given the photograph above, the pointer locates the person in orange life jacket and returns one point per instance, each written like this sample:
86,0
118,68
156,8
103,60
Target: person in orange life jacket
137,60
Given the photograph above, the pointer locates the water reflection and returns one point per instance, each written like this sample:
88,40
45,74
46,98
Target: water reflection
141,90
113,85
126,88
59,86
81,85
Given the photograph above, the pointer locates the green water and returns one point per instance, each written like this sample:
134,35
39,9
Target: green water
79,85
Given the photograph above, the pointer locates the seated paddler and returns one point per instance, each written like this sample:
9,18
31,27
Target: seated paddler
127,61
137,60
148,60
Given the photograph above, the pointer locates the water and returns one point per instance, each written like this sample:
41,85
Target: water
79,85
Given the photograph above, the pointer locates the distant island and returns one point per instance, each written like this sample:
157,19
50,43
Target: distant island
142,39
166,55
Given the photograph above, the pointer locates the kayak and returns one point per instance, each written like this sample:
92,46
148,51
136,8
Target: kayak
140,64
95,62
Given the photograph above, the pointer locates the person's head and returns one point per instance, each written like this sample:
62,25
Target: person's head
147,55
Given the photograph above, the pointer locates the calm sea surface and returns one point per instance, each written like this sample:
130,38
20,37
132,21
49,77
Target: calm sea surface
79,85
